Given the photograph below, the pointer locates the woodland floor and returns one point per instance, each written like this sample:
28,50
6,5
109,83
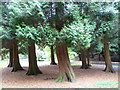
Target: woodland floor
87,78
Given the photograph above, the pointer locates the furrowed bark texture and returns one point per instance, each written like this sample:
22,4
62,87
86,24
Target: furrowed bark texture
65,70
33,68
83,57
11,58
16,63
108,62
52,56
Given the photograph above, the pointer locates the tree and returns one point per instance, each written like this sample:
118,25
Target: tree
21,13
11,57
28,35
65,70
52,55
16,63
9,33
108,26
79,34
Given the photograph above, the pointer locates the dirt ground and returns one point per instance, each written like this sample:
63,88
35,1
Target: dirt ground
89,78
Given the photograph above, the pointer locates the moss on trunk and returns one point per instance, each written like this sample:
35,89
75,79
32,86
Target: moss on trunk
108,62
65,70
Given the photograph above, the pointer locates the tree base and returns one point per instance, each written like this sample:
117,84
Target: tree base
60,79
85,67
53,64
64,78
17,69
9,65
33,72
109,70
89,65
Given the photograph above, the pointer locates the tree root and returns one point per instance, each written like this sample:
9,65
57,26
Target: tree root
33,72
17,69
53,64
84,67
109,70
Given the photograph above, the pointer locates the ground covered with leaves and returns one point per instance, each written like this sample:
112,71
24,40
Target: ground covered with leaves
85,78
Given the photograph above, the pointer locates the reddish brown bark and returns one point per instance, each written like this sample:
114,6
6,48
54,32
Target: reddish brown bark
33,68
108,62
52,56
65,70
16,63
11,58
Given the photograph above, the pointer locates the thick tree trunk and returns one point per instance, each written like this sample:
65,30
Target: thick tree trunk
108,62
16,63
66,72
52,56
11,58
83,57
33,68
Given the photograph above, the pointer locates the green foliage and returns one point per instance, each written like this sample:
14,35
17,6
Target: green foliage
48,35
28,12
79,34
83,24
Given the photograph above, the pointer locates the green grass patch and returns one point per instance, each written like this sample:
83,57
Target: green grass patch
107,84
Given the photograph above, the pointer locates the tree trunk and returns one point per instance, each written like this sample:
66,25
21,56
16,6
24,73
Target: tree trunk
33,68
11,58
83,57
2,57
88,59
108,62
99,57
79,57
66,72
16,63
52,56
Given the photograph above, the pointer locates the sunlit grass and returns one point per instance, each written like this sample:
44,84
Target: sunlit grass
106,84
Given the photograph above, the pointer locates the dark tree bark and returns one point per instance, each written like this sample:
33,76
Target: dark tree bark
2,57
88,59
65,70
99,57
79,57
16,63
33,68
11,58
52,56
83,57
108,62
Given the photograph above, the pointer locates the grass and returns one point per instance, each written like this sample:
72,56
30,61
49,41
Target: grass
107,84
